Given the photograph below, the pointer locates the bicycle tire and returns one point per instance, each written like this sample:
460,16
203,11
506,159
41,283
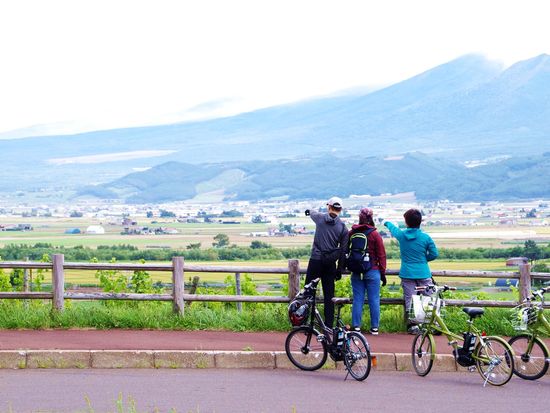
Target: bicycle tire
304,350
494,361
357,358
530,365
423,353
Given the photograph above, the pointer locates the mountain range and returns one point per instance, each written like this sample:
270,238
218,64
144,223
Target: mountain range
427,176
469,109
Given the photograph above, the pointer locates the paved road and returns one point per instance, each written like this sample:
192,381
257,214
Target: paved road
205,391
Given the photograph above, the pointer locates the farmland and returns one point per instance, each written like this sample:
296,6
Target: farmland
456,226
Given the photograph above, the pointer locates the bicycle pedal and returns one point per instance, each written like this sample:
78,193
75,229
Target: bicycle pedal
320,338
471,369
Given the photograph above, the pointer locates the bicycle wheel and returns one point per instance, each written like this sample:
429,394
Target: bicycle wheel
423,353
357,356
494,361
303,349
531,356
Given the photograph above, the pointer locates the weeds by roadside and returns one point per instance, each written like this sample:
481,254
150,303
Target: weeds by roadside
128,406
37,314
205,316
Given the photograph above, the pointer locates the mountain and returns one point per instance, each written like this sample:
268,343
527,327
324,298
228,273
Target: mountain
429,177
463,110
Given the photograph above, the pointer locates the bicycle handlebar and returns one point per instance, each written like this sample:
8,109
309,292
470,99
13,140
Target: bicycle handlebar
313,283
538,294
434,288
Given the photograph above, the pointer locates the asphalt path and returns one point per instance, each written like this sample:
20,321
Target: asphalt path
217,390
118,339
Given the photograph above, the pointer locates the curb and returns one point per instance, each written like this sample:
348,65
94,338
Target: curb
187,359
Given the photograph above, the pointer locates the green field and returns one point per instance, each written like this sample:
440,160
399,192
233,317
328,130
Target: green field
52,230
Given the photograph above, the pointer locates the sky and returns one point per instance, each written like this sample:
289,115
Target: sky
70,66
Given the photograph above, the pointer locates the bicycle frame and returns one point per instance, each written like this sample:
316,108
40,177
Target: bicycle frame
437,324
316,320
542,326
544,323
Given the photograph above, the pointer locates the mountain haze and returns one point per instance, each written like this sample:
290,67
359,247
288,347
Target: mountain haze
467,109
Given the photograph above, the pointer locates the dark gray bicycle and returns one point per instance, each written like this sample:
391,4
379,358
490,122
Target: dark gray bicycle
310,342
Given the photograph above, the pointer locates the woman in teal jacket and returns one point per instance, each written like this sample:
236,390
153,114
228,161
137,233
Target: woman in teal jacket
417,248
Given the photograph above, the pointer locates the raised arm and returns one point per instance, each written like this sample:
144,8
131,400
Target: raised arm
315,216
395,231
431,250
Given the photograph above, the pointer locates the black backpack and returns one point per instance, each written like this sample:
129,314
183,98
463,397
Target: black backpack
358,260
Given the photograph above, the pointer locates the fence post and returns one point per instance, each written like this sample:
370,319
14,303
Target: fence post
26,282
26,277
293,278
58,281
194,285
193,289
238,290
178,284
524,281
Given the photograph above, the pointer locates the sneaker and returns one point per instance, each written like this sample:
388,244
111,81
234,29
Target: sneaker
358,329
373,331
413,330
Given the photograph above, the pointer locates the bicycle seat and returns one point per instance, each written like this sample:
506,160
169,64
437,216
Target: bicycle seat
340,301
474,312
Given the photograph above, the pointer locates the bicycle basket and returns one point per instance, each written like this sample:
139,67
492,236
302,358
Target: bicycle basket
523,316
422,308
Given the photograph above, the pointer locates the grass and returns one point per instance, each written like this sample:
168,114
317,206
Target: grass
158,316
122,406
15,314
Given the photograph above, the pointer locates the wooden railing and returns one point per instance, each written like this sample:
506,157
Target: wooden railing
178,268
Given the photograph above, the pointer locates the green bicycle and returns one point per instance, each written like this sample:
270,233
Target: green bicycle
491,355
531,353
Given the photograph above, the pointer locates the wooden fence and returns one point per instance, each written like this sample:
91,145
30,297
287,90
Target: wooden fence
178,268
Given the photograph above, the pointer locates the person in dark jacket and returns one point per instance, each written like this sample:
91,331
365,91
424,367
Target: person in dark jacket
417,249
368,281
329,247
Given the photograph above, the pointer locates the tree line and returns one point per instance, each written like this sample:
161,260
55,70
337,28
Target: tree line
257,250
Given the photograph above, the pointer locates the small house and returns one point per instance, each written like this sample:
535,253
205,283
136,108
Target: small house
95,229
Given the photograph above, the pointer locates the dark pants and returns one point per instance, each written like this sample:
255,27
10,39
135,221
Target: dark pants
326,272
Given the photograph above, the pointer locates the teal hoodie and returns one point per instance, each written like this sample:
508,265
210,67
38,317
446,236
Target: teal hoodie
417,248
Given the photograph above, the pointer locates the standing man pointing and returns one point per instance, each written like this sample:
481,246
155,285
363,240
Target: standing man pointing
329,247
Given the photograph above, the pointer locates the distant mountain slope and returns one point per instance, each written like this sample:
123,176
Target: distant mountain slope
465,109
429,177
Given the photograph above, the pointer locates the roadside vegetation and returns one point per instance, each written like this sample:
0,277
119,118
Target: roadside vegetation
37,314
